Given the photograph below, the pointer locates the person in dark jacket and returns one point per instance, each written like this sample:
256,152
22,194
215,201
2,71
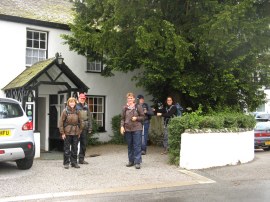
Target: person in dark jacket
167,113
70,128
148,113
132,117
86,117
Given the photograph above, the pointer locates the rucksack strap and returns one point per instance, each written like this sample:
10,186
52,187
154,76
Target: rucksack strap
67,114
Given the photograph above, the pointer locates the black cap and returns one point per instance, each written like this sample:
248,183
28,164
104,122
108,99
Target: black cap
140,97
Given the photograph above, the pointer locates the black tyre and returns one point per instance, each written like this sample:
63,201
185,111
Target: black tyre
26,163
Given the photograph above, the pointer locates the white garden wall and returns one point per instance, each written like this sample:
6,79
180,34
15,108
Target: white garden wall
205,150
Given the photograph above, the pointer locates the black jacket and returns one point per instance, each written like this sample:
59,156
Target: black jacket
168,112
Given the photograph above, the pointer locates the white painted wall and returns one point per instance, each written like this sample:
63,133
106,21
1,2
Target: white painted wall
267,104
206,150
12,51
43,121
37,144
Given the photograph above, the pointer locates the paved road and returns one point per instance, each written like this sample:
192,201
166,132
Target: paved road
247,182
107,179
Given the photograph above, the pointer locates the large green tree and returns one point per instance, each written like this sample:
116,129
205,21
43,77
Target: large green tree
209,52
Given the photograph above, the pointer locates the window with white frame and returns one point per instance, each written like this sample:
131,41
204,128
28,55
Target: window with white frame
97,105
36,46
94,66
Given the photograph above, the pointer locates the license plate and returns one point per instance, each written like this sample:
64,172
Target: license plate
267,143
5,133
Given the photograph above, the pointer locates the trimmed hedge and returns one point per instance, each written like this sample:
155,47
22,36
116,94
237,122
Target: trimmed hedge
218,122
93,137
116,138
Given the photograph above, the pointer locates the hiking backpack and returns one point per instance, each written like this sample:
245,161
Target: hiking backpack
179,109
68,113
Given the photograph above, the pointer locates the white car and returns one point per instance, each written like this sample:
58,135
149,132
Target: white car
16,134
260,117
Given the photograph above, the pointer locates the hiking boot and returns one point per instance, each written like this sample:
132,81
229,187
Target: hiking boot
165,151
83,162
75,165
143,152
66,166
137,166
130,164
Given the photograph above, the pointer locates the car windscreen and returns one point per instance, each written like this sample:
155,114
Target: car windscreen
262,126
10,110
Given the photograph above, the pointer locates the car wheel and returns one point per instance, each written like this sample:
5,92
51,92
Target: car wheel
24,164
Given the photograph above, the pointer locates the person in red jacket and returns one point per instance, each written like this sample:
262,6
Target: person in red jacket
167,113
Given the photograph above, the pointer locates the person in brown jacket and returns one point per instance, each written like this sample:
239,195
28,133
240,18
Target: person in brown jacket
70,127
131,126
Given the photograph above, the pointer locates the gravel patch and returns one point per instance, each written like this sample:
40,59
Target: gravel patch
106,170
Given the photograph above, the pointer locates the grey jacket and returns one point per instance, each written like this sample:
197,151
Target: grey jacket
126,116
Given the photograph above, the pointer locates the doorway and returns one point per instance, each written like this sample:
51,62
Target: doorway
55,109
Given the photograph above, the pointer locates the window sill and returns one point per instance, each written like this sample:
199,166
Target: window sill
93,72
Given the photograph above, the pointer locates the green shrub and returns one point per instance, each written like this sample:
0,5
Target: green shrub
246,121
230,121
156,130
196,121
116,138
176,128
93,137
211,122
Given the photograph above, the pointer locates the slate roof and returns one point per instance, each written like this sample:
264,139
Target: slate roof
33,72
55,11
28,74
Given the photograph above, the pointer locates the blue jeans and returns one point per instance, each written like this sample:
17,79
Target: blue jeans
134,141
145,135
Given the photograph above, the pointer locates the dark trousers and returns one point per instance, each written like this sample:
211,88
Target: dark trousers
70,156
165,138
83,145
134,141
145,135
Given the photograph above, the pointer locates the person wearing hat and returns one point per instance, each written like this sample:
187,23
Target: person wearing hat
86,117
148,112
